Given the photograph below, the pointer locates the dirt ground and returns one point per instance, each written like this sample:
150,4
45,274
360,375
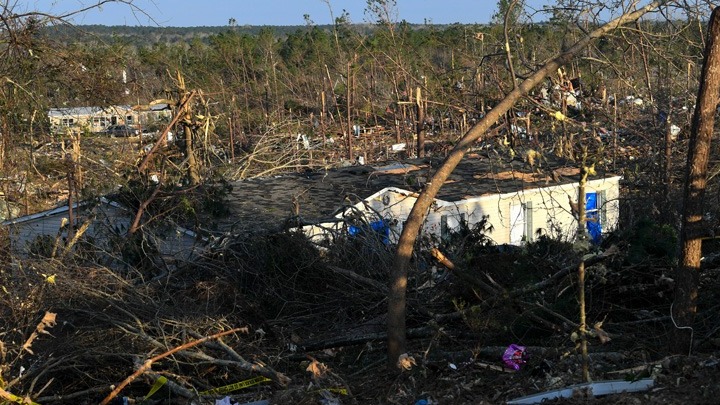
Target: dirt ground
677,380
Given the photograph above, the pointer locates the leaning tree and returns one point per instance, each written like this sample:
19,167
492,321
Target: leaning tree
631,12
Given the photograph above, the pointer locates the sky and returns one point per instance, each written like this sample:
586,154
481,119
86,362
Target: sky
187,13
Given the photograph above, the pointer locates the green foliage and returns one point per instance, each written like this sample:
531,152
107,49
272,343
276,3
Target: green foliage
503,6
509,268
649,240
213,200
182,206
279,269
42,246
466,242
137,251
306,50
255,76
256,70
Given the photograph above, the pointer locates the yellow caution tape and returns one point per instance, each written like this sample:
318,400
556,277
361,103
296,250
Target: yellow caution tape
237,386
341,391
156,386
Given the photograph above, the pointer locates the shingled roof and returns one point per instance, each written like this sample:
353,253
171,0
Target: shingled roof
267,203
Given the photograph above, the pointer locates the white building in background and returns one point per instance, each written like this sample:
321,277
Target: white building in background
96,119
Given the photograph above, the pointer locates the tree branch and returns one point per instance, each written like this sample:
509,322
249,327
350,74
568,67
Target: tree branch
148,363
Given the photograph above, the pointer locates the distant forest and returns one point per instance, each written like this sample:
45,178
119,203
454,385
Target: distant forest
147,35
264,76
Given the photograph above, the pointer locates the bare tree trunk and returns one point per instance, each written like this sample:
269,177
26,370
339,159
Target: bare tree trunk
615,130
4,143
398,137
322,111
398,273
668,155
193,166
420,124
71,210
646,64
232,120
687,275
582,234
348,102
189,132
334,98
76,154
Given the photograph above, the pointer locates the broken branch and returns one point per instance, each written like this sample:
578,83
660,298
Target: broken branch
148,363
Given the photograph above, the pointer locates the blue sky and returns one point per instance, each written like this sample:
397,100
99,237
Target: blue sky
184,13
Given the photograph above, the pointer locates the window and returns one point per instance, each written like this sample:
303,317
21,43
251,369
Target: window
521,227
67,122
100,121
444,231
595,214
129,119
450,224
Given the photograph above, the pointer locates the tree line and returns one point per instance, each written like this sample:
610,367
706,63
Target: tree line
339,73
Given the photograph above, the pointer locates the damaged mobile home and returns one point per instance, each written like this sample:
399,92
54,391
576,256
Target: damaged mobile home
519,203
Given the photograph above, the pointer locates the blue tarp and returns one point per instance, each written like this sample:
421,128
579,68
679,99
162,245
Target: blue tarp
593,224
380,227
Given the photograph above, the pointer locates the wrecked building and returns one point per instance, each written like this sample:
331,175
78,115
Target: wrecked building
518,202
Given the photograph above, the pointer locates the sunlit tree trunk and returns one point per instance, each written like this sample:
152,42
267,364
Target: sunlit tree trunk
582,236
420,124
687,275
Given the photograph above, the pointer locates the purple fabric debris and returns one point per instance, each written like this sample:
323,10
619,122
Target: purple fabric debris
513,356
